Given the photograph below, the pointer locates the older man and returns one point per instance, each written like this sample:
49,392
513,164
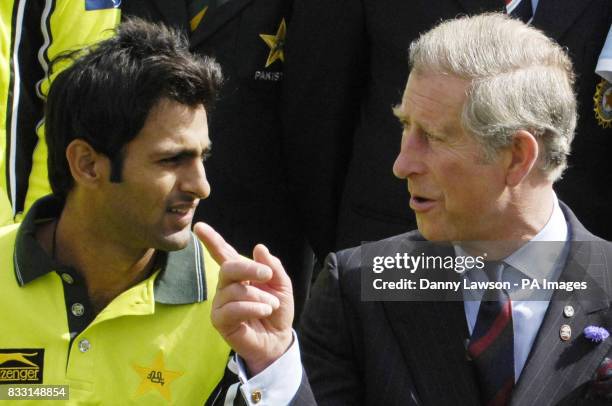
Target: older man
488,115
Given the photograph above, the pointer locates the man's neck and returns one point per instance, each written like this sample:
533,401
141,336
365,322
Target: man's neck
527,216
108,268
531,211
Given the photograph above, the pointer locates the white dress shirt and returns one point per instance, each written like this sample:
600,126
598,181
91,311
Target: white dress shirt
274,386
528,262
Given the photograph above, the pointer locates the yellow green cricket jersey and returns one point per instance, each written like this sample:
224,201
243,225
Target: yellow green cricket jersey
153,344
33,33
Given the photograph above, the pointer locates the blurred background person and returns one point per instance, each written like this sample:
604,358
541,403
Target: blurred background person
32,34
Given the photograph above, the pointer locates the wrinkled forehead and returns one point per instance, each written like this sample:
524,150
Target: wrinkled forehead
435,98
447,89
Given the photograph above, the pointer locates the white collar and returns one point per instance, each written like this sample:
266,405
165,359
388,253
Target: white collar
537,259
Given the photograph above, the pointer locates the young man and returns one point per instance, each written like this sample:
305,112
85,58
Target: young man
106,289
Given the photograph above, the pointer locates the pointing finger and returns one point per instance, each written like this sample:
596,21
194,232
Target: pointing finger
218,248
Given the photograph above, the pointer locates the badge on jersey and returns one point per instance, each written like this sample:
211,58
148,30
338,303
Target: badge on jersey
101,4
276,43
156,378
21,365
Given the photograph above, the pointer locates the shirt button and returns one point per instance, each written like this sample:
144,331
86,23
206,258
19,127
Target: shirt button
256,396
78,309
67,278
84,345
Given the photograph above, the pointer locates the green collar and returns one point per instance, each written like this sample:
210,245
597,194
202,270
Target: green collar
180,281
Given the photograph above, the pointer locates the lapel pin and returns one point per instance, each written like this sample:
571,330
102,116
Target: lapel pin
596,334
568,311
565,332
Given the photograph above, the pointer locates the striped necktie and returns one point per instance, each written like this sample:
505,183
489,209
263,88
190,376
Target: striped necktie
196,9
491,345
520,9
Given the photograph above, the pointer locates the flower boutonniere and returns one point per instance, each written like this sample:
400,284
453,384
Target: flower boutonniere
596,334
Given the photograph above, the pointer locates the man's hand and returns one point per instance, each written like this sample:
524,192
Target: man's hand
253,306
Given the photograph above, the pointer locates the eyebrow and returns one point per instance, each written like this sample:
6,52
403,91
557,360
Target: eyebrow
183,152
403,118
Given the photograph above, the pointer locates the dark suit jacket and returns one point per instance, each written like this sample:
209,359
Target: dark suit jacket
403,353
249,202
347,66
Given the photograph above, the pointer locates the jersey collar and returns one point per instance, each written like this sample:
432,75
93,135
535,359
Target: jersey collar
181,278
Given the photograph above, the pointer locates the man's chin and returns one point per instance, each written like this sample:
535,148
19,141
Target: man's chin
176,241
432,232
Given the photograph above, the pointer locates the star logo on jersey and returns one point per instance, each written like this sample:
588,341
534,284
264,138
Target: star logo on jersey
156,378
195,21
276,43
603,103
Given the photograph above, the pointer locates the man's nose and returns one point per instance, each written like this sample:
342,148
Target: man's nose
409,161
195,182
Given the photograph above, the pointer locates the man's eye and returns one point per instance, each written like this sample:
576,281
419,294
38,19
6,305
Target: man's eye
431,137
170,160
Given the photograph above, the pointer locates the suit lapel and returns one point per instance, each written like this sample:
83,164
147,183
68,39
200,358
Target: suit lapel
216,19
556,367
432,337
556,16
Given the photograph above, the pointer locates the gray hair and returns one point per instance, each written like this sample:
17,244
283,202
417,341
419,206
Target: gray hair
520,80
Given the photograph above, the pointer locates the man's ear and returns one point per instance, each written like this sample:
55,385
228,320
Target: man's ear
523,157
87,166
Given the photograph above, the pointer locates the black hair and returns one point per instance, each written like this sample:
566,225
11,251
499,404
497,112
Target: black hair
106,94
